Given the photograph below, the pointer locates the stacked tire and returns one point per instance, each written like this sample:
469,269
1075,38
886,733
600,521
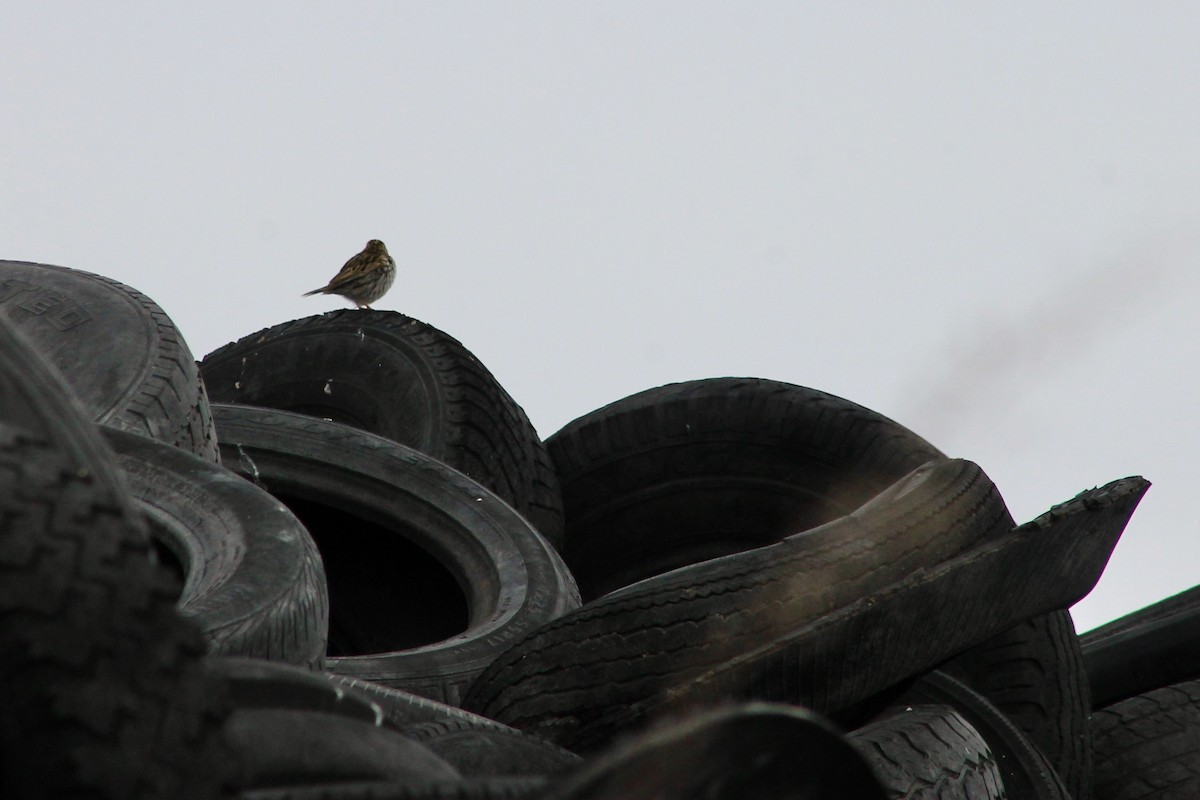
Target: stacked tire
335,559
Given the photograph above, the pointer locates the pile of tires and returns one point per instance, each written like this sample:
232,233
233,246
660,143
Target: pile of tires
334,559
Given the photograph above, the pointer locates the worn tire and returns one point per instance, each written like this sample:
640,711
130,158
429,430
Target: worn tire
253,683
927,752
1025,770
253,579
882,639
475,746
1153,647
100,679
120,353
643,639
1148,746
1034,674
430,575
402,379
757,750
292,748
461,789
690,471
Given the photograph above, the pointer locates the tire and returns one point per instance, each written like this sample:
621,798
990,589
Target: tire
404,380
1034,674
475,746
930,751
643,639
289,748
253,683
1025,771
121,354
1148,746
756,750
691,471
254,583
464,789
491,752
430,575
99,677
1154,647
880,640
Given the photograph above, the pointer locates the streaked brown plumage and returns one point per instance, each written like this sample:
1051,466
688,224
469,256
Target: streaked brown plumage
365,278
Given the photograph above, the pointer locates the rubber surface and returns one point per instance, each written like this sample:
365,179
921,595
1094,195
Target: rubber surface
930,751
902,631
254,583
1034,674
430,575
99,677
405,380
655,634
1148,746
282,748
1153,647
689,471
463,789
119,352
756,750
1025,771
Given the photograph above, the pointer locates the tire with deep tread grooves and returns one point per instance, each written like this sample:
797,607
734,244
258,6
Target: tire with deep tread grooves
1147,747
253,579
879,641
430,575
688,471
928,752
1025,770
645,638
119,352
402,379
100,678
1034,673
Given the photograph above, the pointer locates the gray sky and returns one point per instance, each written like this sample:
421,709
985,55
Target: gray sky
982,221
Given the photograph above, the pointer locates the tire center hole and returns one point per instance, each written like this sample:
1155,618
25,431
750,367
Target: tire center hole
385,592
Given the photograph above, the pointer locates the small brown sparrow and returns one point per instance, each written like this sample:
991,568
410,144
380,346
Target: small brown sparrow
365,278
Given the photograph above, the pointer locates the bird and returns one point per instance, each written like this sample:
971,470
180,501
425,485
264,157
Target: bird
365,278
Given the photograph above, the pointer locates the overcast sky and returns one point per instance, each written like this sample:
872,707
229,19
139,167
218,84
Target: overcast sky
980,220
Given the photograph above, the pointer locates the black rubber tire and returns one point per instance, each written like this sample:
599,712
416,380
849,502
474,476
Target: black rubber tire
100,685
475,746
885,638
930,751
268,685
690,471
1153,647
430,575
1034,674
1025,770
491,752
1148,746
464,789
645,638
290,748
253,579
120,353
402,379
756,750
